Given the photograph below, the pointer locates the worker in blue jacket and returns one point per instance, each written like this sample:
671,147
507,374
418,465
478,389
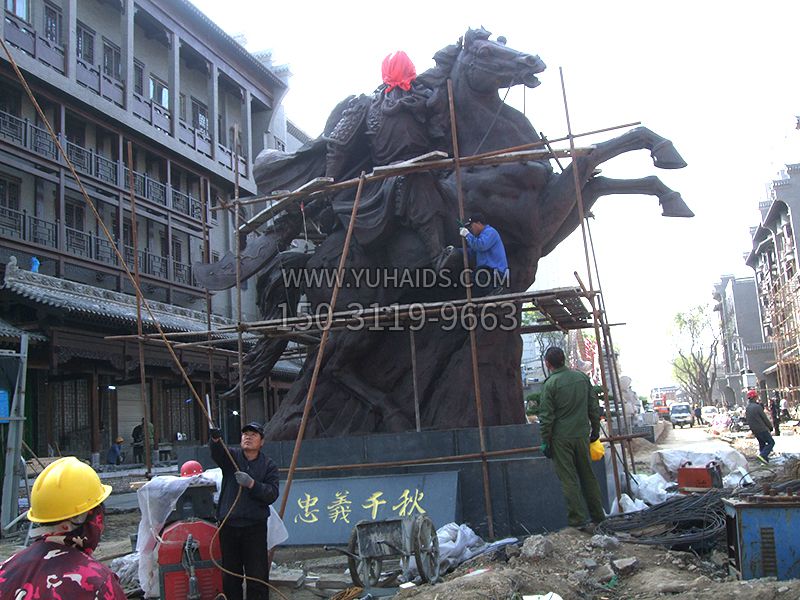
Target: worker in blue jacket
491,273
243,536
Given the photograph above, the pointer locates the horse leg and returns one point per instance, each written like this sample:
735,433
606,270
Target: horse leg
663,152
672,205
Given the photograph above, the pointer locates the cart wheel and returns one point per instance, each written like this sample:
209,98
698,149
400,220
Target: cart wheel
426,549
362,569
352,563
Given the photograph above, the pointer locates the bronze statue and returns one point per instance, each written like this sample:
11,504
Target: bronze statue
407,223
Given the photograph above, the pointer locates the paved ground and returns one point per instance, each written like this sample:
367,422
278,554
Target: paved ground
122,502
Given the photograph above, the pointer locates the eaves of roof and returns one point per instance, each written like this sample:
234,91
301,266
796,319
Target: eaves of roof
82,300
233,44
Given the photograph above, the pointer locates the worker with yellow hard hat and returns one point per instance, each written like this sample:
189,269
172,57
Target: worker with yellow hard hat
67,500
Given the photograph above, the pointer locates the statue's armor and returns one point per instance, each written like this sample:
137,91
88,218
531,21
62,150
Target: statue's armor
345,136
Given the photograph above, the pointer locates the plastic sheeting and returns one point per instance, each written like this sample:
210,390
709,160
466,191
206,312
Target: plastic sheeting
666,462
653,489
626,504
157,499
457,544
127,569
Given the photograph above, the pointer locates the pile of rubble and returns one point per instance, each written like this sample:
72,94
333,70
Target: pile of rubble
573,564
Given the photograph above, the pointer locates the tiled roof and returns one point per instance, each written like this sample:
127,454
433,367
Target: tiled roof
7,330
79,299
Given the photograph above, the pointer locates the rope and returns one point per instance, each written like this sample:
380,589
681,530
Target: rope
135,285
350,593
223,569
494,121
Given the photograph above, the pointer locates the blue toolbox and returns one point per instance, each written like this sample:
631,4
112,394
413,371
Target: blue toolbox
763,535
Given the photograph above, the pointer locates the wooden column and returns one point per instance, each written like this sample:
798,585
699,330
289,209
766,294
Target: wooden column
155,408
70,39
94,410
50,413
247,129
213,108
127,53
174,83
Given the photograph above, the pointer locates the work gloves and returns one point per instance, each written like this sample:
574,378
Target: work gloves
214,433
546,449
463,232
244,480
594,437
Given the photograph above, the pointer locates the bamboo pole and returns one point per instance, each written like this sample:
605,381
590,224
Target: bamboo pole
148,456
237,209
593,297
204,193
473,343
412,462
403,311
414,377
321,350
441,164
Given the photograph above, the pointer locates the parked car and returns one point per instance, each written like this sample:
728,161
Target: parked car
708,413
680,413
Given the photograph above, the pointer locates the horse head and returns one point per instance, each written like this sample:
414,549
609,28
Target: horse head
491,65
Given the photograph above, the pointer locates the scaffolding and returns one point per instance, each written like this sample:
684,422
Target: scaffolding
562,309
779,282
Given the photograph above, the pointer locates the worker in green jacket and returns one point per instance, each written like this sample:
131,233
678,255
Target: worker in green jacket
568,408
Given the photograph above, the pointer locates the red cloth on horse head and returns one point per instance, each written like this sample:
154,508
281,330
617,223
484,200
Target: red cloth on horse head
398,71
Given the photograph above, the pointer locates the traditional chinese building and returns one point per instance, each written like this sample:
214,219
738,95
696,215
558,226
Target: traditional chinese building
747,360
774,260
196,109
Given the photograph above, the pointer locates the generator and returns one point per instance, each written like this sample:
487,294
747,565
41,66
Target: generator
185,549
763,535
699,479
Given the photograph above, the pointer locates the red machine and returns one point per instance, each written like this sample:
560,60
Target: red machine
699,479
185,569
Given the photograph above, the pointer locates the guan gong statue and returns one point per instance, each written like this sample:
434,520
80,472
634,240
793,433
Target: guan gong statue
407,225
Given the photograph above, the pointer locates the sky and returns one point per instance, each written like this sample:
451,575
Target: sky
720,79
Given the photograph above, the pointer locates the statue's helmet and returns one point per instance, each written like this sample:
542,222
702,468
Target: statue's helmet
398,71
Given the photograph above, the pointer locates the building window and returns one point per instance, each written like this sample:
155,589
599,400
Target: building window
18,8
159,92
52,24
85,44
74,215
199,116
279,145
112,61
9,194
138,77
177,250
10,101
215,257
182,107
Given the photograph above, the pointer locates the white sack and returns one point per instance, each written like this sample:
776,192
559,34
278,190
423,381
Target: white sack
666,462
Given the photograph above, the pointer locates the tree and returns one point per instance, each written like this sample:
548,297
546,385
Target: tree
695,366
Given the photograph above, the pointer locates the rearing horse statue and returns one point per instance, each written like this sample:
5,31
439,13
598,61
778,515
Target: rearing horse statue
365,383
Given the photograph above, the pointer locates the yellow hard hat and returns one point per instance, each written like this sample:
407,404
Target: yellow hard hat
65,489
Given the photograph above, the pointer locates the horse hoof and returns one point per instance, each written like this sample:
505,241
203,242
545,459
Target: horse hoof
672,205
666,157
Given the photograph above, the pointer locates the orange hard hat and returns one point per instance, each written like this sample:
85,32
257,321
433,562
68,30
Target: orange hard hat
191,467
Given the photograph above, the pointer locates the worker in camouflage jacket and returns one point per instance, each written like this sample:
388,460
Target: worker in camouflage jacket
569,419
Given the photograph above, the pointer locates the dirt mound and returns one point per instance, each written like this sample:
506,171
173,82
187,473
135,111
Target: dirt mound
580,567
